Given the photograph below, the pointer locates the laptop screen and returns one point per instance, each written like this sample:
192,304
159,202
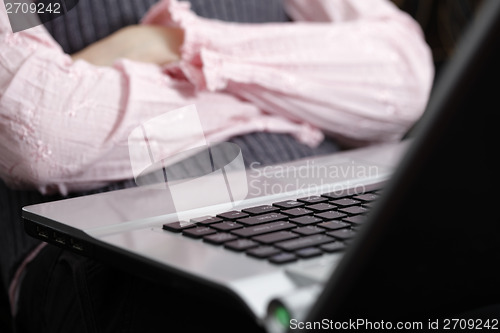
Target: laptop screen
430,247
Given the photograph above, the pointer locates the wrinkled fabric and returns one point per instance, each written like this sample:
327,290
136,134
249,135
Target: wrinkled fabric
357,70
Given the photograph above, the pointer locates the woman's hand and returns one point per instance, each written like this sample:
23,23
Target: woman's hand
147,43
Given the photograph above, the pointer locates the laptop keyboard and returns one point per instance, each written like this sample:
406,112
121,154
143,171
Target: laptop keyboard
285,231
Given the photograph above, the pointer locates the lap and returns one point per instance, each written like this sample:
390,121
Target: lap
70,293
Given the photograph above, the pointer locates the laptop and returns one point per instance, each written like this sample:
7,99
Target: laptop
403,231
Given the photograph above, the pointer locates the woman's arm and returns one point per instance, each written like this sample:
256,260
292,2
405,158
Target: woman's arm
64,124
145,43
359,70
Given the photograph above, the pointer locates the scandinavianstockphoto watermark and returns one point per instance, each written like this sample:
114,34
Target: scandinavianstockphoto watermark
308,176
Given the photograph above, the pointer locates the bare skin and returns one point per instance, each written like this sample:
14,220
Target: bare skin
145,43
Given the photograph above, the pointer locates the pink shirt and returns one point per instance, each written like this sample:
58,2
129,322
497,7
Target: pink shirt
354,69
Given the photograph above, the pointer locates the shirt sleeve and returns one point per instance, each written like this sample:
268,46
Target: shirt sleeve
359,70
64,125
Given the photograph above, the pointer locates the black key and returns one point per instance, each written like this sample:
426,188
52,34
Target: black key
334,225
345,202
309,252
305,220
232,215
288,204
275,237
342,234
356,219
296,212
335,195
368,205
259,219
198,232
302,243
226,226
347,241
321,207
263,251
333,247
219,238
241,244
260,210
332,215
283,258
313,199
263,229
366,197
309,230
354,210
178,226
206,220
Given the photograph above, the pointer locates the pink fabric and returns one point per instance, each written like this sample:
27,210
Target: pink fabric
354,69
